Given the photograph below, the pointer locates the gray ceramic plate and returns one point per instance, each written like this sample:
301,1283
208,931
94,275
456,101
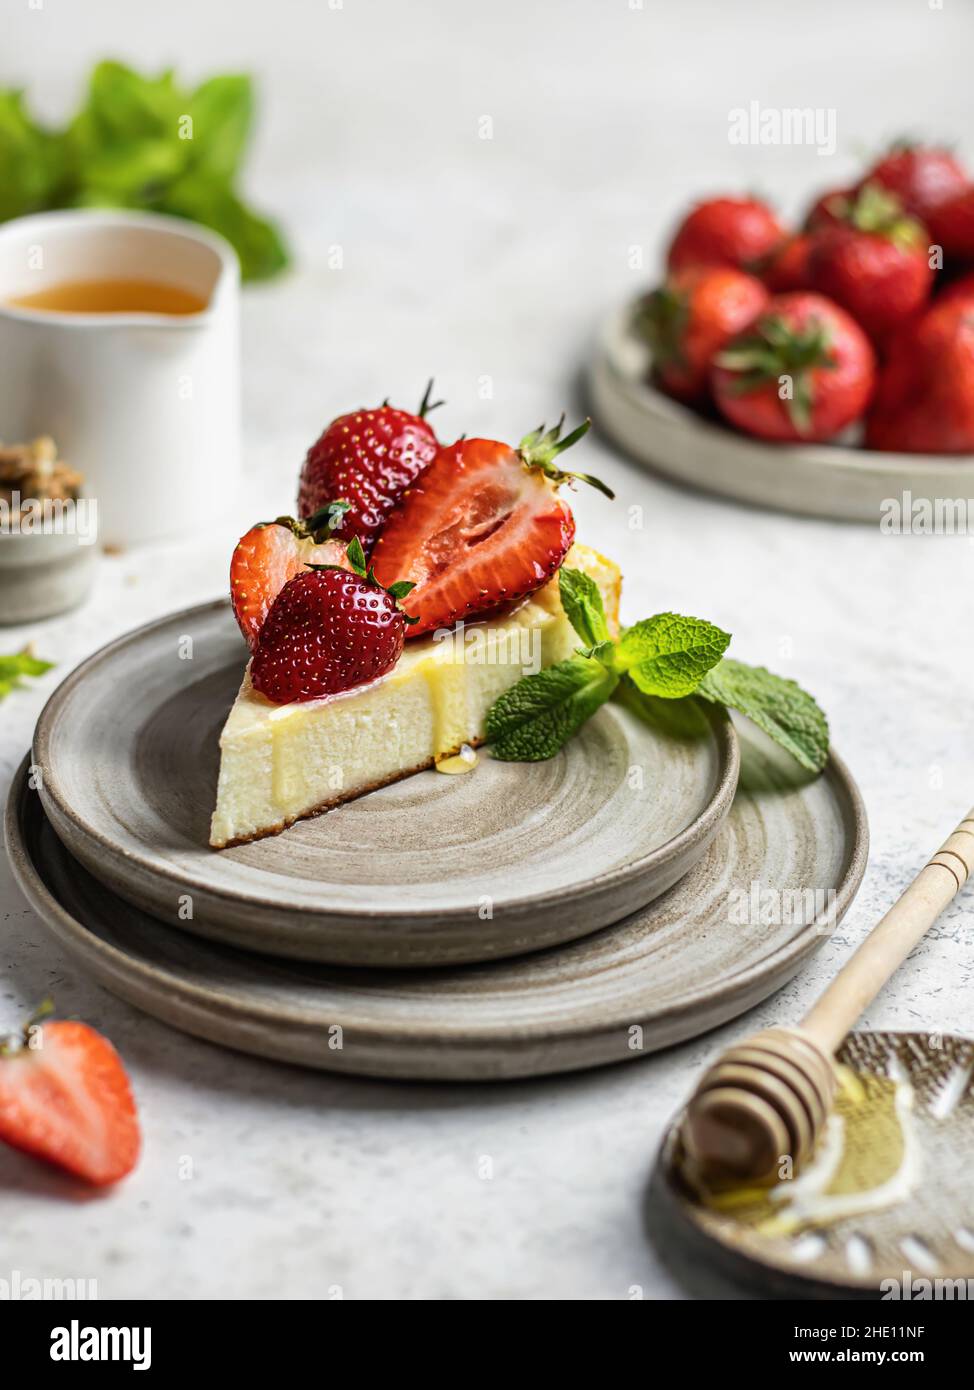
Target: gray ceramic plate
677,968
830,480
432,870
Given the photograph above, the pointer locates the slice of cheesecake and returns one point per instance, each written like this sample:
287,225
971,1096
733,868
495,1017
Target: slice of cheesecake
279,763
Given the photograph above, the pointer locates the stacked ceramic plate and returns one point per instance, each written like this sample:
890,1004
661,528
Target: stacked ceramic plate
523,919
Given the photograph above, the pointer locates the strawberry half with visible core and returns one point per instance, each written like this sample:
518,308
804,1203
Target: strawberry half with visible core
875,263
686,320
329,629
367,459
271,553
482,528
804,371
65,1097
725,231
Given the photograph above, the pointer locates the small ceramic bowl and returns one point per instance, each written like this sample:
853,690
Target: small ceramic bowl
43,574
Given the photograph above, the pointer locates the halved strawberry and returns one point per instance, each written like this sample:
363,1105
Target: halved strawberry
66,1098
481,528
270,554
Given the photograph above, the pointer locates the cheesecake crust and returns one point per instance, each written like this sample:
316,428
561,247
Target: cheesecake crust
334,801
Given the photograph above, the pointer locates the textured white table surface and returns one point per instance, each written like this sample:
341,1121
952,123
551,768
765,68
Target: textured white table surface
493,259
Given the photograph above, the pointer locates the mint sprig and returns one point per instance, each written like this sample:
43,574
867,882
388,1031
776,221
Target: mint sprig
780,707
533,719
15,667
146,142
668,656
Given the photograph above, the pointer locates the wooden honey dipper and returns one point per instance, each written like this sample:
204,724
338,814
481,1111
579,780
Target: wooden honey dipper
767,1099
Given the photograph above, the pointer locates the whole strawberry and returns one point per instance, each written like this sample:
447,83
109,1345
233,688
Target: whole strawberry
367,459
875,263
271,553
482,528
952,227
925,397
786,269
802,372
329,629
737,232
922,176
689,318
829,208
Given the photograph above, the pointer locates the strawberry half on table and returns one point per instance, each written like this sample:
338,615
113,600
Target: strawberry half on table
367,459
802,372
65,1098
481,529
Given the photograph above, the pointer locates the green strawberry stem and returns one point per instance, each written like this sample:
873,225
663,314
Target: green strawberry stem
773,349
17,1043
539,449
661,320
879,211
355,556
425,406
323,525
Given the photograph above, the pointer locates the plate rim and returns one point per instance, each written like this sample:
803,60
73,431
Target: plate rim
698,830
72,933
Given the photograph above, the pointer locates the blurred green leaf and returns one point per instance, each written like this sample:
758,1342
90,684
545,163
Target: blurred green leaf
222,110
143,142
31,160
257,242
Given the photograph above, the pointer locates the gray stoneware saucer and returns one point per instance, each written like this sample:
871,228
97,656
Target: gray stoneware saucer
828,480
433,870
681,966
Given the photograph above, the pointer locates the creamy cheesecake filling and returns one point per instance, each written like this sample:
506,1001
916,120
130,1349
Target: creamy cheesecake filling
281,762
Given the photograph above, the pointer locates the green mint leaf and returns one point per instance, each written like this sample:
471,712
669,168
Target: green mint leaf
582,602
31,160
143,142
123,106
780,707
13,669
532,720
256,241
668,655
222,110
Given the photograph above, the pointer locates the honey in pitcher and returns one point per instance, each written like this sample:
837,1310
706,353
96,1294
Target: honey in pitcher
111,297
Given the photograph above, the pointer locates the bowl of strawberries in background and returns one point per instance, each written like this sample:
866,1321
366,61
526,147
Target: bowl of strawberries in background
823,370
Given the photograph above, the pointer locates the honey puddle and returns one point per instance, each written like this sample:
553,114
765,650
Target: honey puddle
867,1159
464,761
